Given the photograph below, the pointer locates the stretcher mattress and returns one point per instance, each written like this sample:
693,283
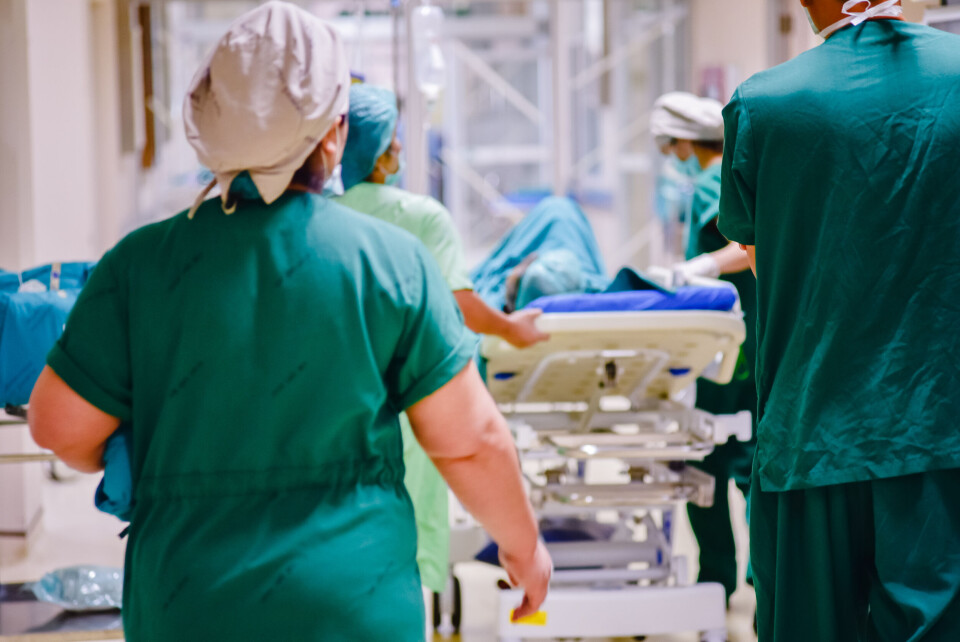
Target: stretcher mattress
718,299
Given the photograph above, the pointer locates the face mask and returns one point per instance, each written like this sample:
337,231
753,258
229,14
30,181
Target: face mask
888,9
333,186
394,179
813,26
691,166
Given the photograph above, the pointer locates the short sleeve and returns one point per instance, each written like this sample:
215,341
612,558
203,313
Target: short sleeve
738,177
442,240
434,344
93,354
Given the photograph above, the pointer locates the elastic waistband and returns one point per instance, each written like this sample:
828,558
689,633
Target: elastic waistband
330,481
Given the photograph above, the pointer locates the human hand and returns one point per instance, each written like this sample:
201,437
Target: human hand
699,266
522,331
532,574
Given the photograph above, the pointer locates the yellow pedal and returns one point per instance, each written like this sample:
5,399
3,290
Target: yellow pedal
537,619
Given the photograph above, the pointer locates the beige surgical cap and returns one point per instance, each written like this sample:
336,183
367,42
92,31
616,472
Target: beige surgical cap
272,88
687,117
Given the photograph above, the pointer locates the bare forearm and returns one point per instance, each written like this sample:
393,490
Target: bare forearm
519,329
499,500
82,459
480,317
751,251
731,259
62,421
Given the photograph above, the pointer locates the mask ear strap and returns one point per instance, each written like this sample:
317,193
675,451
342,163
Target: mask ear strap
327,173
199,200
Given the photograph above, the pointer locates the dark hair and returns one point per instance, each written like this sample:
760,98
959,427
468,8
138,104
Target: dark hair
513,283
712,145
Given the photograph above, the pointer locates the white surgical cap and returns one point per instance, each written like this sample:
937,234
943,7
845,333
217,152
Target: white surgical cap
687,117
272,88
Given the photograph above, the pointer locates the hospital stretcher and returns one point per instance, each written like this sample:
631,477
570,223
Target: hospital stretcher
609,387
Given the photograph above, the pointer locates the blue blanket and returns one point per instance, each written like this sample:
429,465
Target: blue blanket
30,323
71,276
688,298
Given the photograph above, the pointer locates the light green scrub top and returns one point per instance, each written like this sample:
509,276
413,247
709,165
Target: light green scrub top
840,166
429,221
262,359
424,217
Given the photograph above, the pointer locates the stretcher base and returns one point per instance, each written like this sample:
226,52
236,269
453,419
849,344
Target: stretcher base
624,612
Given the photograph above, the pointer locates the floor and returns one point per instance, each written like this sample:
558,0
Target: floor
73,532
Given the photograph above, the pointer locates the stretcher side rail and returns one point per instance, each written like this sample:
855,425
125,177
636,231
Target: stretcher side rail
639,355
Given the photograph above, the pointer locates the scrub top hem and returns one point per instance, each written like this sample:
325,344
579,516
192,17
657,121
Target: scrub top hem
441,374
922,463
84,385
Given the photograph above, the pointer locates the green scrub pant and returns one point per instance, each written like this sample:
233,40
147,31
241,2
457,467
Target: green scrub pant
712,526
867,561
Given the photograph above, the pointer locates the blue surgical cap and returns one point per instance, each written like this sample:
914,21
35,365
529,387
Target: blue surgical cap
373,120
554,272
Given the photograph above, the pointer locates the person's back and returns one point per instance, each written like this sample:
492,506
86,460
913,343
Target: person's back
260,347
848,154
278,339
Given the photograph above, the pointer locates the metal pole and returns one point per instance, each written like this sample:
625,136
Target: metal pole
562,96
416,139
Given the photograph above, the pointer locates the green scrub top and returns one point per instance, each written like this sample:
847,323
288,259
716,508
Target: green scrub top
840,167
429,221
262,359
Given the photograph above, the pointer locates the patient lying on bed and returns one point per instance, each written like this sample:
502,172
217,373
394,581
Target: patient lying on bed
552,251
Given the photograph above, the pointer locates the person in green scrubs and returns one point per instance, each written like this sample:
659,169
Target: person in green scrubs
371,160
261,346
839,177
690,127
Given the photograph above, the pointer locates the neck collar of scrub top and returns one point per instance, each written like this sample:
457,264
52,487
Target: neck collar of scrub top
888,9
265,97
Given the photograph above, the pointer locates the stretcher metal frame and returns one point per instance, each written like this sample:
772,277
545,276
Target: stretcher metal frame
16,416
609,387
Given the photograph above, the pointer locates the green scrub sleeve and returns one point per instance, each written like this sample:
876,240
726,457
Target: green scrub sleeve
738,176
434,345
440,236
706,201
93,353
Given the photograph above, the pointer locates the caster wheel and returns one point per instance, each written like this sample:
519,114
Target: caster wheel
457,615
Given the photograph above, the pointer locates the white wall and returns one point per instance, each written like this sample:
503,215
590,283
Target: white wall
64,181
15,154
730,33
61,115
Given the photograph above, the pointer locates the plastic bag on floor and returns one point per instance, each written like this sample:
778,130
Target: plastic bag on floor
82,588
